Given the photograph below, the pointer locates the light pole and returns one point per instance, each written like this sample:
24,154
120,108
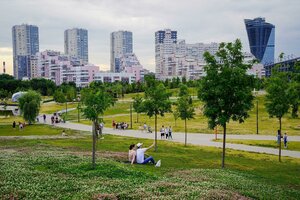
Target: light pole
130,115
78,107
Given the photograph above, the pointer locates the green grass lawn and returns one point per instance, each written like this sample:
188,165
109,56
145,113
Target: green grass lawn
36,129
267,125
292,145
60,168
52,107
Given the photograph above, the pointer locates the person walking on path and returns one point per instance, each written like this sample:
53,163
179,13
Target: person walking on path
285,140
44,117
162,132
170,133
140,154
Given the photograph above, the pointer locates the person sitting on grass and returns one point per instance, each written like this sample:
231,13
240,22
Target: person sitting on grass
63,133
140,154
132,154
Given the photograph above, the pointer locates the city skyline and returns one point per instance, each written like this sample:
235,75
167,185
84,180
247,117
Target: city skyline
195,23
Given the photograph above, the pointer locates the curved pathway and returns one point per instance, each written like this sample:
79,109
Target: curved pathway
193,138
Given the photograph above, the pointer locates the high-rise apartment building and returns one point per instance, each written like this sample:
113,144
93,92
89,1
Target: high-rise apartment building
165,41
25,42
261,37
120,44
76,43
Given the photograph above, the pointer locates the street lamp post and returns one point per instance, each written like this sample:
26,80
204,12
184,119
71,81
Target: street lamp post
78,107
131,115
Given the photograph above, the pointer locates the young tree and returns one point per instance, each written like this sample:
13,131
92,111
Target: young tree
277,98
294,97
227,89
59,96
176,116
185,107
137,102
29,104
96,101
156,103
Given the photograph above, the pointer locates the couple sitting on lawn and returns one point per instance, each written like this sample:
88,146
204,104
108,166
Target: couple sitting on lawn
137,154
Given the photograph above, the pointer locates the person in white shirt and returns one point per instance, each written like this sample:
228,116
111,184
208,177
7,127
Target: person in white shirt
140,154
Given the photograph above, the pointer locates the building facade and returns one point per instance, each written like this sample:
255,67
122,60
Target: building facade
261,36
111,77
120,44
76,43
165,41
64,68
25,40
285,65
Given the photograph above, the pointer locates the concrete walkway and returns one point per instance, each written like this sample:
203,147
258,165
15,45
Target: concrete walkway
193,138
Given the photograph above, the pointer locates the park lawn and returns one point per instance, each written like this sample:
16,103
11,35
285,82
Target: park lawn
120,112
36,129
52,107
292,145
60,168
9,119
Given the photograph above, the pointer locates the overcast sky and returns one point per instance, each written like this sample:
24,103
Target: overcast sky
195,21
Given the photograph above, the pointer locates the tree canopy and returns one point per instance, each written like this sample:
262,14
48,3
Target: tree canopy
226,90
29,104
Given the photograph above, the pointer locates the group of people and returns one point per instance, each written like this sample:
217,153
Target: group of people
285,139
137,155
166,132
54,118
20,124
120,125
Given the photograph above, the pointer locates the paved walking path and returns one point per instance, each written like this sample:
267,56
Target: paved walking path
193,138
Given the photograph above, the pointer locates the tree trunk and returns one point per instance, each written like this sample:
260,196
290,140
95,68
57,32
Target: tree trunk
185,139
137,117
66,111
224,142
94,132
155,141
280,139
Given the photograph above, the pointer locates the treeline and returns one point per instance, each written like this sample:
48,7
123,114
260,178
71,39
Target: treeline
9,85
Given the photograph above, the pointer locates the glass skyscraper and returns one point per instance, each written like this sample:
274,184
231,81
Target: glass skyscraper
261,37
25,42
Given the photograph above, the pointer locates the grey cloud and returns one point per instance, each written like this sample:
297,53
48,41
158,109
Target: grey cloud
195,21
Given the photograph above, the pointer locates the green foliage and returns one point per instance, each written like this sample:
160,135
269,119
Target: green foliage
29,104
226,90
277,98
96,101
185,106
294,97
137,103
59,96
156,100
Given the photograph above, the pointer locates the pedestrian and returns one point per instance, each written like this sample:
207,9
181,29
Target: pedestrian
278,137
170,133
167,132
114,124
285,140
162,131
44,117
145,127
14,125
